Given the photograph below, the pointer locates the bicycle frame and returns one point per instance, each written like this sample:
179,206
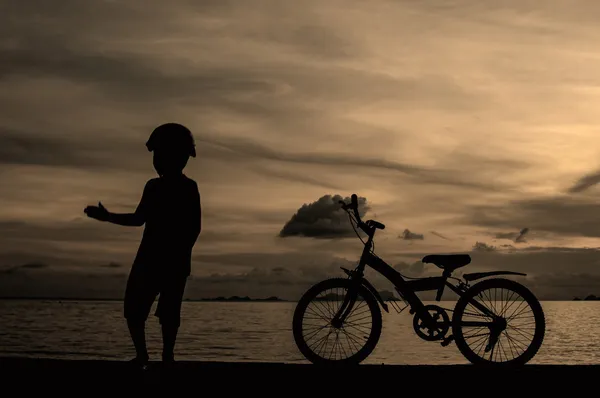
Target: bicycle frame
406,288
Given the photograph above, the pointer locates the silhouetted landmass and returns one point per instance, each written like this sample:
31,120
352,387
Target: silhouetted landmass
591,297
385,295
238,298
232,298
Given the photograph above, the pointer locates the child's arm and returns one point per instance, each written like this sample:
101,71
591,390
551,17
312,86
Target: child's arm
136,219
125,219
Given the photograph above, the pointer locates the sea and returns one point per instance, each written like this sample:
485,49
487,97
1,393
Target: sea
256,332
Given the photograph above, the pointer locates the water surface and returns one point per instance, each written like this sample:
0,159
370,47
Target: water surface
256,331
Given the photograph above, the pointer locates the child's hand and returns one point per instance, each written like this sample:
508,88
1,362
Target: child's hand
98,212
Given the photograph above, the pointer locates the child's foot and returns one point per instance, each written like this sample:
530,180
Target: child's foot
139,362
168,359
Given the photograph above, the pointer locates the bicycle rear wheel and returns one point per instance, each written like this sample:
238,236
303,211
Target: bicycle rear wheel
523,319
322,343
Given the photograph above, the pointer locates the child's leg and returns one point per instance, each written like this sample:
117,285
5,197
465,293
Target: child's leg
169,313
139,296
137,331
169,335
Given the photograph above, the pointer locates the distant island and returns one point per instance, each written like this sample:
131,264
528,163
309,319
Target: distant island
216,299
237,298
591,297
385,296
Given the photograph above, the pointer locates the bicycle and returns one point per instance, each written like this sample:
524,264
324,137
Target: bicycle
430,322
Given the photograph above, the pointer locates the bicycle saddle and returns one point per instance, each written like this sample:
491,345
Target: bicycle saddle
448,261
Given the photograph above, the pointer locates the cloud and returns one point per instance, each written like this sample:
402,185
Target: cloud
553,273
482,246
584,183
423,175
37,148
78,230
439,235
113,264
251,274
289,101
407,235
323,218
416,268
565,285
13,269
517,237
563,215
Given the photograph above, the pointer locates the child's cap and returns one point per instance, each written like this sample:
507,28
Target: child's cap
172,135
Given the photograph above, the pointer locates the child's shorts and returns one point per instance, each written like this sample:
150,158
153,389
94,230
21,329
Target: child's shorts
142,289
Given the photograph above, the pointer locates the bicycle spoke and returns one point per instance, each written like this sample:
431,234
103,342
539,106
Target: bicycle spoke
351,340
347,340
517,312
476,335
315,333
509,343
514,342
319,312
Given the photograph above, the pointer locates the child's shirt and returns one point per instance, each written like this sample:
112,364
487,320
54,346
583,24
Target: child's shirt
171,209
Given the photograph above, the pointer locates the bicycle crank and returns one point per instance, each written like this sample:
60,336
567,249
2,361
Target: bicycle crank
435,326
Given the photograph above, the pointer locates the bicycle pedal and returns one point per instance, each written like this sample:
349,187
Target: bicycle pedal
447,341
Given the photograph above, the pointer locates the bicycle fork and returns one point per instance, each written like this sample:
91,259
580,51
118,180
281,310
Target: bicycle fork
345,309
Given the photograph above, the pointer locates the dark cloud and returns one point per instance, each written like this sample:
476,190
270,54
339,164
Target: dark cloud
482,246
584,183
563,215
552,273
439,235
14,255
517,237
262,277
250,148
44,52
113,265
532,259
416,268
13,269
296,177
47,149
564,285
507,235
323,218
407,235
66,231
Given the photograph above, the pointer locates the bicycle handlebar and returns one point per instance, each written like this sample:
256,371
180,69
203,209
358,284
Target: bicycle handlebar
354,207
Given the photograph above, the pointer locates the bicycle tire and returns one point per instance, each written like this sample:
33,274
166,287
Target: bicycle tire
536,307
300,311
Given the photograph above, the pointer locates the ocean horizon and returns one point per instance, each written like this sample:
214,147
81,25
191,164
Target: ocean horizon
255,332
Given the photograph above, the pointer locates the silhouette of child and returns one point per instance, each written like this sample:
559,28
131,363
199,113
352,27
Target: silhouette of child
170,209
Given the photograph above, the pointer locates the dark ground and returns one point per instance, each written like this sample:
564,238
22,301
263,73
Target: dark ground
218,378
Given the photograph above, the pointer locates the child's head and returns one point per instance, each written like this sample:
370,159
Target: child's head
172,145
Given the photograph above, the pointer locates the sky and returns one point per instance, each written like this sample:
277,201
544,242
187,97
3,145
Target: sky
465,127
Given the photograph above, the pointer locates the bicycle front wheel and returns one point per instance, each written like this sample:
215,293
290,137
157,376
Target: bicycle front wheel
322,342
